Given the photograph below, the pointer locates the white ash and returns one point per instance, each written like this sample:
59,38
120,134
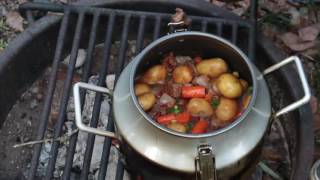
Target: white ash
44,160
81,58
33,104
83,137
110,81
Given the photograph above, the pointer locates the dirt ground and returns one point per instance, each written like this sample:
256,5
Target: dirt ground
279,20
20,127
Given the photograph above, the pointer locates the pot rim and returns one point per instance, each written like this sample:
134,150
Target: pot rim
141,55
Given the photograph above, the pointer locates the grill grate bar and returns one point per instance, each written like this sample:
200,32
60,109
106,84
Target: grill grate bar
219,29
120,170
123,47
234,33
120,64
50,91
98,99
106,149
65,98
204,25
85,78
142,23
156,32
252,43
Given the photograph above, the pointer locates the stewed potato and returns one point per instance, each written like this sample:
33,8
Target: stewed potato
141,88
212,67
156,74
227,109
244,84
182,74
177,127
229,86
199,107
147,100
215,86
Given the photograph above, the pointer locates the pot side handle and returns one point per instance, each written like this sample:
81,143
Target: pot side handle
77,106
307,95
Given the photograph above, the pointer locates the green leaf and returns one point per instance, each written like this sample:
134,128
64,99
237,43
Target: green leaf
189,126
215,103
175,109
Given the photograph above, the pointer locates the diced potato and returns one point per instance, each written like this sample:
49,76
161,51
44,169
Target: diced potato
212,67
147,100
199,107
177,127
229,86
227,109
155,75
141,88
182,74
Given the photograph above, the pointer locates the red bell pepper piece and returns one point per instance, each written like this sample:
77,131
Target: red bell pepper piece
193,91
197,59
183,117
200,127
165,119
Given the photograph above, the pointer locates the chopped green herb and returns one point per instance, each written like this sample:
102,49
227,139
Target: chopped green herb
189,126
175,109
215,103
249,90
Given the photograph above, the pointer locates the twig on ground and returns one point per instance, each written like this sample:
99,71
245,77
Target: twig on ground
61,139
269,171
308,57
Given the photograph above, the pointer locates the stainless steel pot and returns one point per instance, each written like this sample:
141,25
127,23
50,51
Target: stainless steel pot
223,150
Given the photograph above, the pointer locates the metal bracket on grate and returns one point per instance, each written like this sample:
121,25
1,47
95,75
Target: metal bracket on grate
229,29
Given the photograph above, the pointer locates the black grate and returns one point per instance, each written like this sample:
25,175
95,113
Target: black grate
132,25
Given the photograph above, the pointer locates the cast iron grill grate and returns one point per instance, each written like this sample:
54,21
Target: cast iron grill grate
135,25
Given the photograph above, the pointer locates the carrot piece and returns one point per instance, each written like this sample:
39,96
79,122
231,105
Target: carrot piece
183,117
200,127
197,59
165,119
246,101
193,91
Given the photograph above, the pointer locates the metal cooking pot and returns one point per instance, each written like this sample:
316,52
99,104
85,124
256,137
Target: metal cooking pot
224,150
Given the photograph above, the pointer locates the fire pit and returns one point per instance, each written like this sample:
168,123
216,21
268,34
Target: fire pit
86,27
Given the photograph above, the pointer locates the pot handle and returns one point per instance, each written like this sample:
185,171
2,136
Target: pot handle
77,106
307,95
206,163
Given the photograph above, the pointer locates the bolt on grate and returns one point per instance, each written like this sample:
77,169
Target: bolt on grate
132,25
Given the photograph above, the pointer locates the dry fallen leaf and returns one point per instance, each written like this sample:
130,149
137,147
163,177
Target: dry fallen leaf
14,20
274,5
293,42
316,119
295,16
309,33
22,1
218,3
314,104
316,115
310,53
